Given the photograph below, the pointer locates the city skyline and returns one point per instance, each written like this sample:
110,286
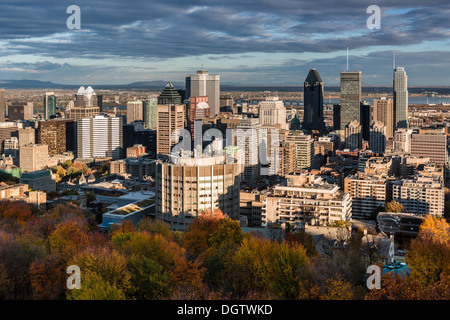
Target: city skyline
247,42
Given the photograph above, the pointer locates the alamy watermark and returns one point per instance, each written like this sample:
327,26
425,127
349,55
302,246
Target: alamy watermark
247,146
74,20
374,21
74,280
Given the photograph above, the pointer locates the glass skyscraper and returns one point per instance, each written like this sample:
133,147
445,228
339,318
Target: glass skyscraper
49,105
150,113
313,102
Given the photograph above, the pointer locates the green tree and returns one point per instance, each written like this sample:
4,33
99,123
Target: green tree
94,287
149,279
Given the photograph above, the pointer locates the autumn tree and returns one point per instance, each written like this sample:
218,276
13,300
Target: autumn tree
202,228
106,269
164,252
48,279
434,229
68,238
429,253
394,206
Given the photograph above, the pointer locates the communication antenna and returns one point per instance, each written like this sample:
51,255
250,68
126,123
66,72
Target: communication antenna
347,57
394,60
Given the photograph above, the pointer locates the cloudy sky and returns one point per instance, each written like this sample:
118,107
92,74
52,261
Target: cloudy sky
258,42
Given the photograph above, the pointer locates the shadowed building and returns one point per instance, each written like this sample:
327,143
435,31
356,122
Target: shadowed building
313,102
2,105
20,111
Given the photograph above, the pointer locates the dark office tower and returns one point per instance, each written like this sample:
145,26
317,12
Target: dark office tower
100,102
400,98
55,134
169,96
49,105
365,119
350,97
336,117
2,105
313,102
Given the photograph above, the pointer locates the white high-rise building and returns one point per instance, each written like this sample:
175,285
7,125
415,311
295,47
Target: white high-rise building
248,136
204,84
272,112
400,98
402,140
99,136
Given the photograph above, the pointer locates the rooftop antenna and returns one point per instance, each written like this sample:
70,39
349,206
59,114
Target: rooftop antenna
394,60
347,57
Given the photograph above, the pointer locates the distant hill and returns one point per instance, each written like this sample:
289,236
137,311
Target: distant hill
36,84
32,84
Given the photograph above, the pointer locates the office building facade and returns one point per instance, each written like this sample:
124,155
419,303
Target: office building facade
401,98
383,111
186,187
350,97
204,84
99,136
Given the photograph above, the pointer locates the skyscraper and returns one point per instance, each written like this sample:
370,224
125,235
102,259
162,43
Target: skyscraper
350,97
383,111
99,136
49,105
186,187
85,104
169,95
304,145
135,111
313,102
272,112
20,111
400,98
171,117
150,106
2,105
351,135
55,134
365,119
336,116
198,110
204,84
377,141
248,139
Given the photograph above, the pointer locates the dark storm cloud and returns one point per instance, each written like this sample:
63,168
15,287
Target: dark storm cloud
166,29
